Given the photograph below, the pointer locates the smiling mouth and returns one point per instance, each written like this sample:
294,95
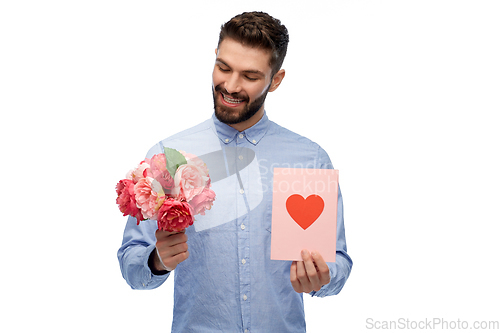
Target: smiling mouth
228,101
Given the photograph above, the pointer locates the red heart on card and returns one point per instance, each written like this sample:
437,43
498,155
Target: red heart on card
305,211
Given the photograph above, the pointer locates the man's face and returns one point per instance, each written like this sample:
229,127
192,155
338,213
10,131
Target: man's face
241,81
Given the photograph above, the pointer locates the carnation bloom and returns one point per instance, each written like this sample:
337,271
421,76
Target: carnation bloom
203,201
189,181
174,215
126,199
196,161
139,172
146,198
150,192
158,170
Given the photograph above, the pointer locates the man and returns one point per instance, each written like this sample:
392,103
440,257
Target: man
224,278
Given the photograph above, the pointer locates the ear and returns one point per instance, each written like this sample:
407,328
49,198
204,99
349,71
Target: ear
277,78
216,51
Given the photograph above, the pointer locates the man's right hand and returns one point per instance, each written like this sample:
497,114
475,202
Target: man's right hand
172,249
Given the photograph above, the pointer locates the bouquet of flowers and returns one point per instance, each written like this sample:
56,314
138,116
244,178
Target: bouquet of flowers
170,188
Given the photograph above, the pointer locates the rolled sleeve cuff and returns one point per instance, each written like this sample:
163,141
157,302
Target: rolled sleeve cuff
323,292
326,290
148,279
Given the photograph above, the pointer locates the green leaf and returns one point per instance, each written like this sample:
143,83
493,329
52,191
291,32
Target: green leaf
174,160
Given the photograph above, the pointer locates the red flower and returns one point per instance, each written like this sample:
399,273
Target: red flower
126,199
175,215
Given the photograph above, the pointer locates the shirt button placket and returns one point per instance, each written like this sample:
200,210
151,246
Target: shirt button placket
243,238
244,271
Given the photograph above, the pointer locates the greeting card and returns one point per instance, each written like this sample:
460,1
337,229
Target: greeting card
304,213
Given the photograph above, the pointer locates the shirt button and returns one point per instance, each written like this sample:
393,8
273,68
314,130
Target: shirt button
242,227
246,331
253,141
240,136
242,191
243,261
240,157
245,297
227,140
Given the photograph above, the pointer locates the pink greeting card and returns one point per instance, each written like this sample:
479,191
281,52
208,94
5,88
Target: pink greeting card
304,213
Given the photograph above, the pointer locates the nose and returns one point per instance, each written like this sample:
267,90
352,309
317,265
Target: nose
232,84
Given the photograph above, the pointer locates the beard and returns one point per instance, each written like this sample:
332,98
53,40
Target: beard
228,115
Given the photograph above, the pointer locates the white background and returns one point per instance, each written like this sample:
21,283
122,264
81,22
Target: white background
403,95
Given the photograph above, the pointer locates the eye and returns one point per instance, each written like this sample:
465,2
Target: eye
251,78
223,69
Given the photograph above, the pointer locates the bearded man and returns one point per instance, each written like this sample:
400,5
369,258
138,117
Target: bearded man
225,280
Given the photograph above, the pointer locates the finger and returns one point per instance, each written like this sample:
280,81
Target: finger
167,251
177,239
171,239
171,256
311,272
293,277
173,245
162,234
302,277
322,268
172,262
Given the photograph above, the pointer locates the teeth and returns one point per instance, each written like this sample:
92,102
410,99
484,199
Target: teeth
232,101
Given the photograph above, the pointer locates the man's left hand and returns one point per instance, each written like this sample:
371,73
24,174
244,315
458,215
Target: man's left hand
310,274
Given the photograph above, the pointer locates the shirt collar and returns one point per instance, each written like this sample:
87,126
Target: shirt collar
253,134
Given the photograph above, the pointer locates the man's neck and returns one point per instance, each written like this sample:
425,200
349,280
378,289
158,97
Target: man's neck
240,127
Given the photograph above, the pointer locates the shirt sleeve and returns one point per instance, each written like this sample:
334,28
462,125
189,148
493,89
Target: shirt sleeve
138,243
341,268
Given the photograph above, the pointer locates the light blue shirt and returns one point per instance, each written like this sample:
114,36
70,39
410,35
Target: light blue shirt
229,283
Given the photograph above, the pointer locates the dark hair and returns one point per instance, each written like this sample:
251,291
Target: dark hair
261,30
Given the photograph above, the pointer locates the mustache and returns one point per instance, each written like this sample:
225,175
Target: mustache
221,89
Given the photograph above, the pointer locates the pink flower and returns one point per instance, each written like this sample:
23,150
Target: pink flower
150,192
189,181
158,170
139,172
174,215
147,199
196,161
203,201
126,199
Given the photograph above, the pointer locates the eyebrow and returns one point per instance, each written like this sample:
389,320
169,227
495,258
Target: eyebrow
249,71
